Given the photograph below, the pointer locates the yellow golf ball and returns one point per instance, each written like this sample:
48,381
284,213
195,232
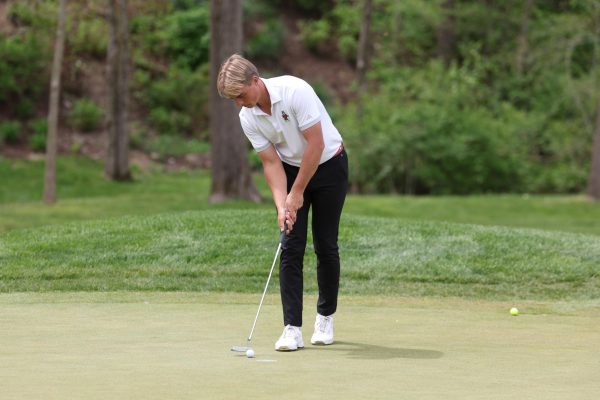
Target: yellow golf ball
514,311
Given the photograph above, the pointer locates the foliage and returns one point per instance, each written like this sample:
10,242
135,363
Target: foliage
181,36
175,97
479,123
187,4
39,126
86,115
347,21
23,63
476,125
317,7
40,15
267,42
176,101
189,37
38,142
169,122
90,38
440,138
10,131
340,26
39,129
314,32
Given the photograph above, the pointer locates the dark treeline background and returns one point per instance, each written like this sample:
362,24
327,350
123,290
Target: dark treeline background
461,96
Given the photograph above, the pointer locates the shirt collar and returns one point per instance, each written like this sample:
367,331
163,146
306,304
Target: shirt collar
274,95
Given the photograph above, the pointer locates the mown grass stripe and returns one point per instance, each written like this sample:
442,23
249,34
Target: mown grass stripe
231,250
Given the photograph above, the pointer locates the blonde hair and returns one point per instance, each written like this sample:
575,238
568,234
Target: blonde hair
235,73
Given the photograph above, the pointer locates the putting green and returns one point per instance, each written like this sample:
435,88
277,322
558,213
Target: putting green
176,346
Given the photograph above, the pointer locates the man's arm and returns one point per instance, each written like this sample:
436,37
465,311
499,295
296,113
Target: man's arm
277,181
308,166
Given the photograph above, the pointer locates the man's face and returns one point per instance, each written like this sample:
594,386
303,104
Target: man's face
250,94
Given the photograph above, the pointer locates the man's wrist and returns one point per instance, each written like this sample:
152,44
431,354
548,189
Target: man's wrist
296,190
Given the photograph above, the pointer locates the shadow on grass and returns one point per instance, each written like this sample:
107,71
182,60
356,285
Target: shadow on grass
374,352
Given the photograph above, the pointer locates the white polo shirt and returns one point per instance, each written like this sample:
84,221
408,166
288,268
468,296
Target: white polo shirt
294,107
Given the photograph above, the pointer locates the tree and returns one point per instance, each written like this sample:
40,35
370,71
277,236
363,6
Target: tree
446,35
50,168
594,180
117,155
362,57
523,45
362,63
231,178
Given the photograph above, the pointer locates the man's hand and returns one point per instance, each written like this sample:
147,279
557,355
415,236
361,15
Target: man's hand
293,202
285,217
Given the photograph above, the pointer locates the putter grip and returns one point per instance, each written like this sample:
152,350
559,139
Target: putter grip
283,235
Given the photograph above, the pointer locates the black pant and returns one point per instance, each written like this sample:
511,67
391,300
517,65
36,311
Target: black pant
325,192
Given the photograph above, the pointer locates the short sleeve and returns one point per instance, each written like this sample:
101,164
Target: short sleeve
305,105
259,142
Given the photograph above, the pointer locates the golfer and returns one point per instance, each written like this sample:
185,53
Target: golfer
305,165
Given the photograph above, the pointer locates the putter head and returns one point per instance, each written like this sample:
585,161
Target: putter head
240,349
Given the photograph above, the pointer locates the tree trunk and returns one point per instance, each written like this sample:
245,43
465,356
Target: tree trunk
231,177
51,140
362,57
446,35
117,155
594,180
362,65
523,41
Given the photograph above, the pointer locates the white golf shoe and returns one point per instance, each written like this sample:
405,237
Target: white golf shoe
290,340
323,330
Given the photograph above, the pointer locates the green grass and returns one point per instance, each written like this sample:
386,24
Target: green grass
176,346
231,250
552,212
159,233
85,194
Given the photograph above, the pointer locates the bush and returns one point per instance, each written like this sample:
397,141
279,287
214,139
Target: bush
90,38
322,92
35,14
170,122
86,115
267,43
178,103
315,33
188,35
432,132
39,126
10,131
24,108
38,142
347,22
22,72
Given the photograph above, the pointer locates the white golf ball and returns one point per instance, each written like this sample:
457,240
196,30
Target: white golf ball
250,353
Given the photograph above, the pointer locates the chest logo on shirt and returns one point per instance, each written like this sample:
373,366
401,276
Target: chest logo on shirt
285,116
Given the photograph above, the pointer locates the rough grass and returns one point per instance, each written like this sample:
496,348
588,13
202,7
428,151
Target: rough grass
84,194
231,251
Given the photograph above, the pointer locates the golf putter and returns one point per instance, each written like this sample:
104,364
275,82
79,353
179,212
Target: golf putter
282,241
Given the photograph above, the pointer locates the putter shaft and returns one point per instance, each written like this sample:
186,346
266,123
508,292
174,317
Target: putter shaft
264,293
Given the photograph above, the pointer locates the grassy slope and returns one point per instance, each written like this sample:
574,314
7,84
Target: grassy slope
84,194
160,233
231,250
